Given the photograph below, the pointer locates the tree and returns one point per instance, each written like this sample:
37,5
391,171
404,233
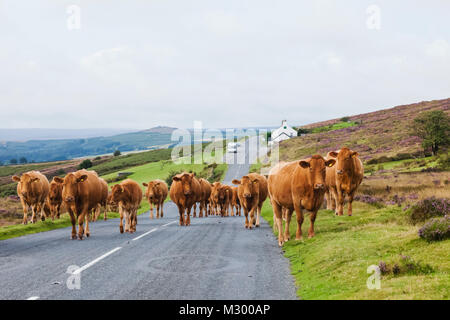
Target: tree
23,160
301,131
13,161
433,127
85,164
117,153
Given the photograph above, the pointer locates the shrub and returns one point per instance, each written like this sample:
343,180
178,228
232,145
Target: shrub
85,164
436,229
345,119
443,162
117,153
172,174
405,265
429,208
375,201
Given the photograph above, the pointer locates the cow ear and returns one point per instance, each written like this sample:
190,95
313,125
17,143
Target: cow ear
144,184
355,154
235,181
15,178
82,178
304,164
330,162
333,154
176,178
58,179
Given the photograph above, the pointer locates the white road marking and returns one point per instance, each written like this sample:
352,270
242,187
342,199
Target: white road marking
164,225
90,264
144,234
33,298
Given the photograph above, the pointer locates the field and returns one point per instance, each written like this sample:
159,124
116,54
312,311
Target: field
333,264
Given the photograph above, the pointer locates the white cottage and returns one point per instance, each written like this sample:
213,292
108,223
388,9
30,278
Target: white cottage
283,133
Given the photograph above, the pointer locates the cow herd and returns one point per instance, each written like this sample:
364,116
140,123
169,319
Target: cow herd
299,185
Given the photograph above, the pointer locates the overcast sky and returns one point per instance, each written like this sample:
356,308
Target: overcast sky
229,63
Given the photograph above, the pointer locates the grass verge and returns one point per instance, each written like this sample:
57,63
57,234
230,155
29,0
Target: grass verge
333,264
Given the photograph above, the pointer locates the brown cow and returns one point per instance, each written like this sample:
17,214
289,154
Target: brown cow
111,205
344,178
205,194
82,192
156,194
296,186
54,199
104,202
128,195
235,203
221,196
32,188
252,193
184,192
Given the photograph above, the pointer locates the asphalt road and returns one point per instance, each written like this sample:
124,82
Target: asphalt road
214,258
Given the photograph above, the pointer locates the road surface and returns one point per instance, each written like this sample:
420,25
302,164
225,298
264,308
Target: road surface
214,258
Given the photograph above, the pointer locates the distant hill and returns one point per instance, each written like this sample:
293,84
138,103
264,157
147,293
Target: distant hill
65,149
25,134
375,134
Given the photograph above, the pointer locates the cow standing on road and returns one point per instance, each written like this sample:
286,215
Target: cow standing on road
344,179
32,188
82,193
103,203
297,185
128,196
235,203
205,194
252,192
184,192
156,194
54,199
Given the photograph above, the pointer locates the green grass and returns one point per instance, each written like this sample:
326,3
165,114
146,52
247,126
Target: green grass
336,126
333,264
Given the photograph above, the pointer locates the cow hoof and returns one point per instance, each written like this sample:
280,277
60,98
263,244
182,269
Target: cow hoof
80,237
87,234
74,237
257,226
121,229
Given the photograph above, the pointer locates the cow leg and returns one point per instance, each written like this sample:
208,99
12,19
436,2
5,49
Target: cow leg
252,217
299,214
134,220
194,215
121,220
278,219
33,213
328,199
311,227
258,215
187,222
288,215
25,211
157,210
246,217
200,209
87,232
73,221
127,220
181,212
340,202
333,200
162,206
105,213
58,211
350,201
151,210
81,218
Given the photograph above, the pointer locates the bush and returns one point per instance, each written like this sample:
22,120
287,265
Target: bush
117,153
443,162
85,164
429,208
345,119
436,229
172,174
375,201
406,265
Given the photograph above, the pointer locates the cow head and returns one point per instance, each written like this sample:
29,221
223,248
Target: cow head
316,170
250,187
222,192
71,185
26,183
118,193
186,180
344,158
153,189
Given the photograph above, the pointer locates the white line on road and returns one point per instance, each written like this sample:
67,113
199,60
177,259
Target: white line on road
33,298
164,225
90,264
144,234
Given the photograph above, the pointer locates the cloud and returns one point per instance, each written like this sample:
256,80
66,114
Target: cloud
439,48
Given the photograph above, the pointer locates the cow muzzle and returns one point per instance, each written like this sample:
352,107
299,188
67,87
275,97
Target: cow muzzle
247,195
319,186
187,193
339,171
70,199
